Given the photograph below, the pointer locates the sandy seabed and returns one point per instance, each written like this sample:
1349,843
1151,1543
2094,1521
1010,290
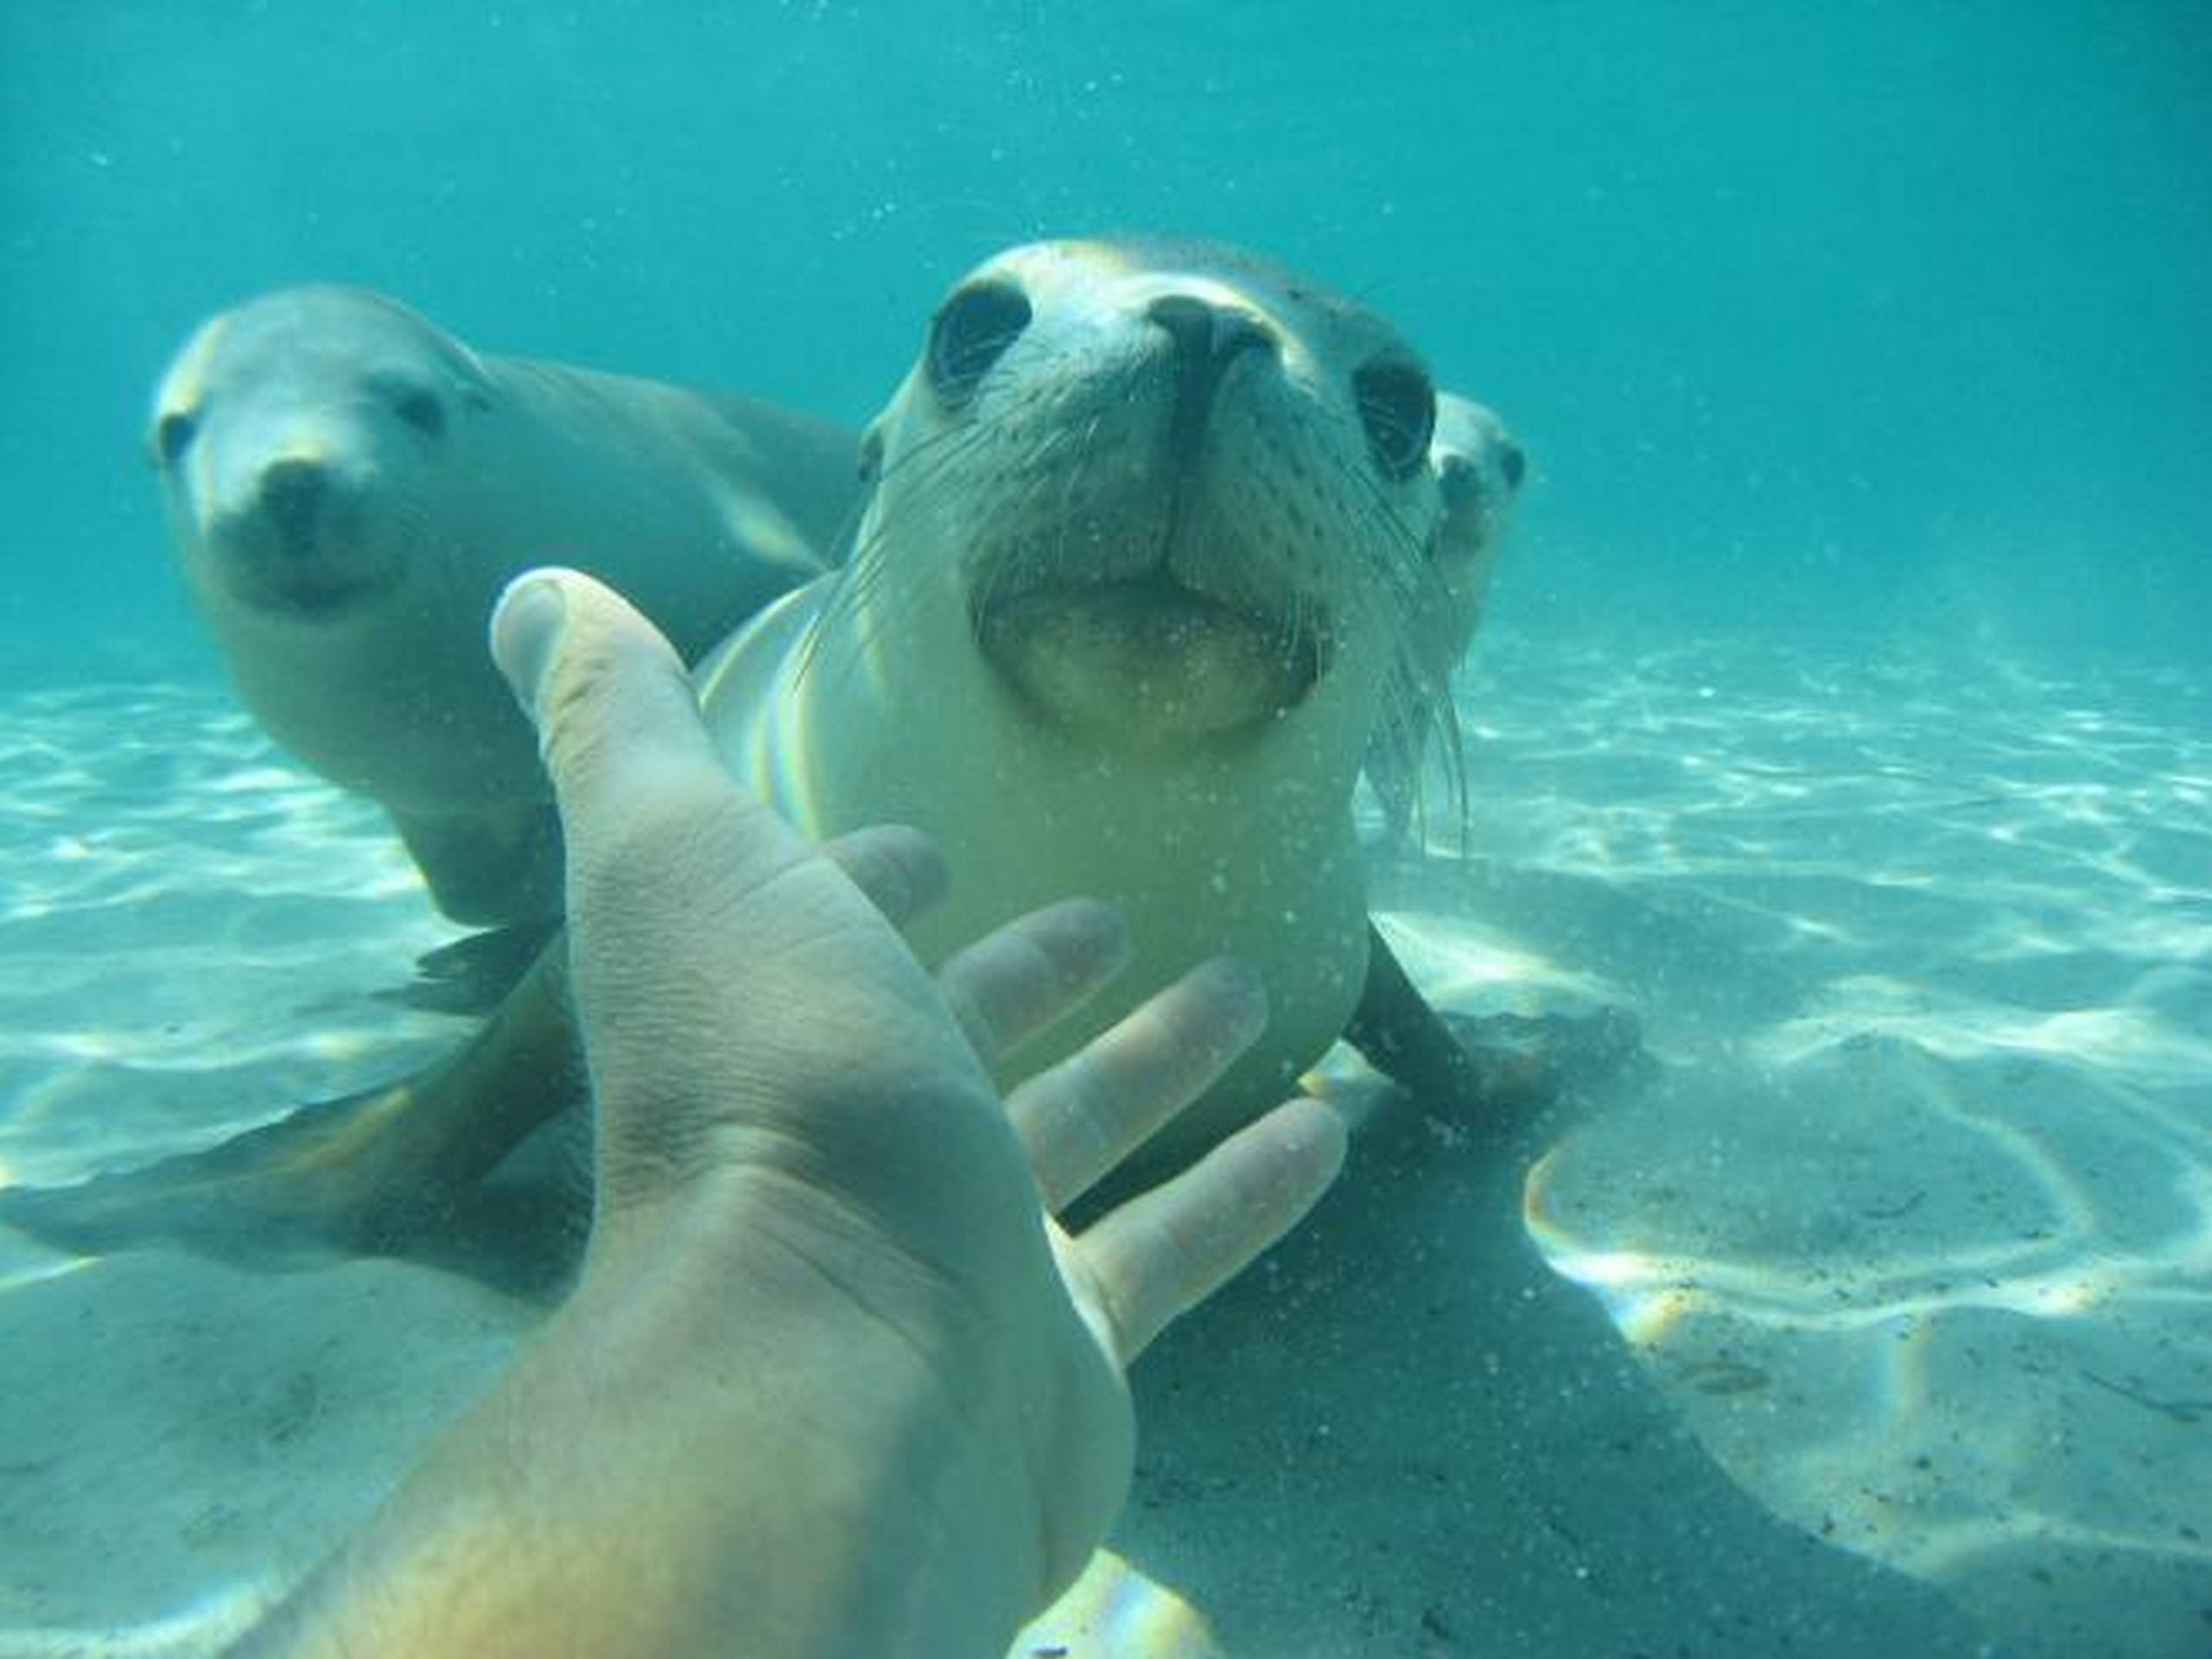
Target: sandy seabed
1875,1317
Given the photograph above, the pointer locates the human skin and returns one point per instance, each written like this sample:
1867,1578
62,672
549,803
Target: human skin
832,1380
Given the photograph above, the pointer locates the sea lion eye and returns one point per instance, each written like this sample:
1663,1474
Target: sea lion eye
422,410
173,436
1397,405
1514,464
970,332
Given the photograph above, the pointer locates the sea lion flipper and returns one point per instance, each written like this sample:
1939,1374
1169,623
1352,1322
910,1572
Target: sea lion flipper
475,973
396,1170
1501,1068
1407,1040
307,1186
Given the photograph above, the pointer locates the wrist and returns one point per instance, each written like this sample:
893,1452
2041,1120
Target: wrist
813,1422
702,1452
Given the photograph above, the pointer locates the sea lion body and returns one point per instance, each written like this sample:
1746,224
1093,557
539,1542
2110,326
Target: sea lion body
1213,853
1127,605
349,487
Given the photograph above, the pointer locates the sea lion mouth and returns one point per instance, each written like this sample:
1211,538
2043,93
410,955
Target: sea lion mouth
309,589
309,601
1150,658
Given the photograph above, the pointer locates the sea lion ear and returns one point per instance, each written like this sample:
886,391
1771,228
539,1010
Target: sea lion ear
872,452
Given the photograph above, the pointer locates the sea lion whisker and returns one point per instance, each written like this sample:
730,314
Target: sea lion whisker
919,476
1071,479
1303,628
1422,715
864,573
1416,708
1412,549
996,570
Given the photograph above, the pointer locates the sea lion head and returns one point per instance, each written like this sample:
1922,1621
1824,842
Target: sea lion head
1480,469
1176,493
293,437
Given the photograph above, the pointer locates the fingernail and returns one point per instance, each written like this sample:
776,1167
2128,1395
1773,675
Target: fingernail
526,625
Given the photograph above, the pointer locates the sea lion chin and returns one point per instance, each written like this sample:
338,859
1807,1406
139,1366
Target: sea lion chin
1147,661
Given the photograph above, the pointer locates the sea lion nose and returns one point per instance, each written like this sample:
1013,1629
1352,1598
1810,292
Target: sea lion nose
291,494
1206,336
1207,339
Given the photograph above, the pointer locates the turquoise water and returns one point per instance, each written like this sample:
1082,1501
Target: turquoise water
1885,318
1843,708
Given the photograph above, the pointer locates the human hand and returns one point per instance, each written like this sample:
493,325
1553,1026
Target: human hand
790,1108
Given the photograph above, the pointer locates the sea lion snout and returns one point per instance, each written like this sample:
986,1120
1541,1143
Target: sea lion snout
1205,338
304,528
1206,334
291,496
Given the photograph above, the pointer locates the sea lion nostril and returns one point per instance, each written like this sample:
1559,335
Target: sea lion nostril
1206,335
1189,323
1207,339
292,493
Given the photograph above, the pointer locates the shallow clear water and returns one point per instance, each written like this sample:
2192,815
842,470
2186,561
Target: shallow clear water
1843,709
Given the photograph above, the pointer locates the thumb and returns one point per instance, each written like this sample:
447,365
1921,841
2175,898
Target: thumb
616,721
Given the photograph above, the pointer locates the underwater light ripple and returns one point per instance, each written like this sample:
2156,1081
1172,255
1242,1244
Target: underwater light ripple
1646,1293
205,1625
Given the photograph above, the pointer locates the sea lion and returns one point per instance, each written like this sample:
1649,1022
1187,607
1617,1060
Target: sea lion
1480,469
349,487
1151,530
1148,528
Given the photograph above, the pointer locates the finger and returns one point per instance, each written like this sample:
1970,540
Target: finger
617,721
1081,1118
1166,1252
1013,982
899,868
